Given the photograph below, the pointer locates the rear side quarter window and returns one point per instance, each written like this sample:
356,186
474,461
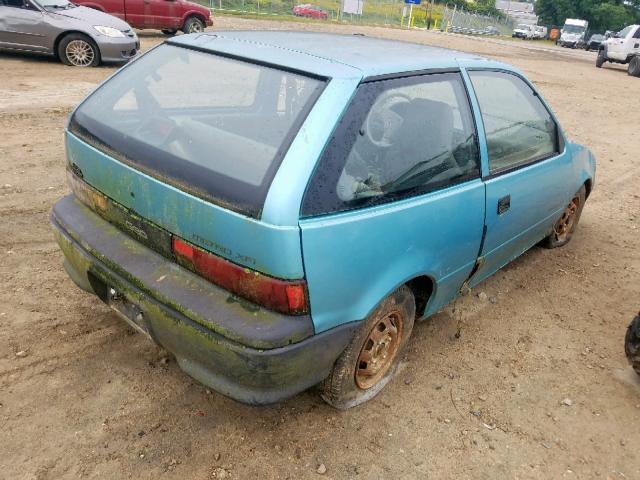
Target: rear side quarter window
399,138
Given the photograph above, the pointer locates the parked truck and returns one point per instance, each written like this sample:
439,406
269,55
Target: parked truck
622,47
166,15
573,32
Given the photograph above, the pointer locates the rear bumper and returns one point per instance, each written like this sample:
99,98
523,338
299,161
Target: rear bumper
251,355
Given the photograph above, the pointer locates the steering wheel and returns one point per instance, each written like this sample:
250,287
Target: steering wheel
382,122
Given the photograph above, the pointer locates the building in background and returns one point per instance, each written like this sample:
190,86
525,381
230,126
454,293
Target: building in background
519,12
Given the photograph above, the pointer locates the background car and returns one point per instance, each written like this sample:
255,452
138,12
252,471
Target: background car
309,11
539,32
594,42
289,226
78,36
166,15
523,31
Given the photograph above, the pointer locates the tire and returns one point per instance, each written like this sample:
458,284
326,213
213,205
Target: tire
193,25
602,57
565,226
634,67
354,380
169,31
78,50
632,344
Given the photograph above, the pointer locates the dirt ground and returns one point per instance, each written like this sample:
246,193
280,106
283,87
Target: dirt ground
81,395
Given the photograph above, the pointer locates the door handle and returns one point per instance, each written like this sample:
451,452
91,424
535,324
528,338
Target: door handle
504,204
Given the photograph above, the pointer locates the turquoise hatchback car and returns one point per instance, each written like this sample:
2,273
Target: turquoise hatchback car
277,208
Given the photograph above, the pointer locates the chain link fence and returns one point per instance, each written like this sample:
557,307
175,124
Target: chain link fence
374,12
393,13
458,20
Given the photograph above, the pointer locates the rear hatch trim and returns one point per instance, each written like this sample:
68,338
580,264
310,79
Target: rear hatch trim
269,249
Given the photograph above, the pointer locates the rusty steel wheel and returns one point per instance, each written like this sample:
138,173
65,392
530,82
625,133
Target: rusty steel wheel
566,222
379,350
370,360
565,226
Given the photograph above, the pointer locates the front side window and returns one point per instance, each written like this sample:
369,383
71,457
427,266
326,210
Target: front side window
13,3
519,129
399,138
215,127
572,29
624,32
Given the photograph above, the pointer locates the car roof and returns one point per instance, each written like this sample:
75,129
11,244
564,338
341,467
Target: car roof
330,55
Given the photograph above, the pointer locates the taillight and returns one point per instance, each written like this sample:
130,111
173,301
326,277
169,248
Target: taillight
93,199
284,296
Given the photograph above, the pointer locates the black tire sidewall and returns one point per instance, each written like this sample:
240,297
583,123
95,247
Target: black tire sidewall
602,57
191,20
634,67
340,389
67,39
632,344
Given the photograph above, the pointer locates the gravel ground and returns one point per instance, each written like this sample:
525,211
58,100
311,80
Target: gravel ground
535,386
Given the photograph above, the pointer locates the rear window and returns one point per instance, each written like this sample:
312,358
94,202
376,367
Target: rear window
213,126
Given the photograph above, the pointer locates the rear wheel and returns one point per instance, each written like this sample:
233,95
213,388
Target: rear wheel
634,67
632,344
193,25
78,50
602,57
371,359
567,223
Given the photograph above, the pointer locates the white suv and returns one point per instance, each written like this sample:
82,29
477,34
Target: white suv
623,47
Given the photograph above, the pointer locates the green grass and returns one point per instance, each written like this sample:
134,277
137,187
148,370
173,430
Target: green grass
375,11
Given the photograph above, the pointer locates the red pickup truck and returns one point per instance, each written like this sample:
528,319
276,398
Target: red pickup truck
166,15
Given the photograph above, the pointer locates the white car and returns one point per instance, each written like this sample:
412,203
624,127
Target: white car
623,47
539,32
523,31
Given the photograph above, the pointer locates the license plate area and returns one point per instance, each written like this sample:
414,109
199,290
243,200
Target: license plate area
128,310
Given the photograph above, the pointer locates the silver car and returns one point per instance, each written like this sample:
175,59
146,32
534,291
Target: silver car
78,36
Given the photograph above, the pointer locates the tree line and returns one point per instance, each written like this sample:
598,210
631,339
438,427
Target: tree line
601,15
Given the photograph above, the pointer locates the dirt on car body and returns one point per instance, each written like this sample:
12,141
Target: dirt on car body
519,379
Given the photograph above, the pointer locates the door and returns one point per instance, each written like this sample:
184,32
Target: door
158,14
163,13
135,13
396,195
527,186
112,7
22,26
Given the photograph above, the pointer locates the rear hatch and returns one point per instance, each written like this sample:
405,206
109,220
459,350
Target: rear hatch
184,145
